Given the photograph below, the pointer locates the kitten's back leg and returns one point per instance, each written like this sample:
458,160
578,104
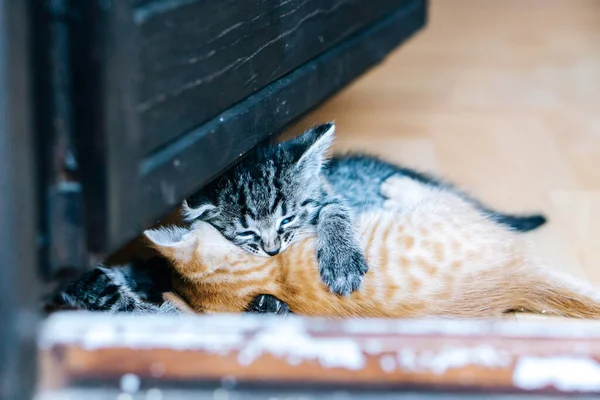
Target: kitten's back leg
403,192
519,285
556,293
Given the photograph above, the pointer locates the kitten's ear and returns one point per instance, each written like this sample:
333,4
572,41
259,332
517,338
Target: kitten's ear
175,243
204,210
313,147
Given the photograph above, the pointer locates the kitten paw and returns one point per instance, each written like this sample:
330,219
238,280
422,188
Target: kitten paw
342,269
268,304
96,290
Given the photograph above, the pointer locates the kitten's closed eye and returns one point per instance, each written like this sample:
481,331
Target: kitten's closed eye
247,235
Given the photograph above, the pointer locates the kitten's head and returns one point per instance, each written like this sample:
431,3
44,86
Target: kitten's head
270,199
196,252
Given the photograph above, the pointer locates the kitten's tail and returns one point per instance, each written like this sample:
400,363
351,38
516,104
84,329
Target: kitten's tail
520,223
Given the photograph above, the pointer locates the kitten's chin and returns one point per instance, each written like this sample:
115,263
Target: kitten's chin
261,254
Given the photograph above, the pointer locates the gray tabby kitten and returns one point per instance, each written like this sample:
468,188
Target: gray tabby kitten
278,194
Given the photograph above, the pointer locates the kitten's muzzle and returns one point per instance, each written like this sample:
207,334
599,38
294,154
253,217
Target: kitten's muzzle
272,248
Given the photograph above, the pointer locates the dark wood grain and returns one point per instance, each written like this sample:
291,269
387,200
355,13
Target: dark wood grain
104,61
61,223
453,355
185,165
20,283
197,58
121,54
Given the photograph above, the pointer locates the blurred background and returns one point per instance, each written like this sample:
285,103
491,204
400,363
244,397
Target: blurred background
501,97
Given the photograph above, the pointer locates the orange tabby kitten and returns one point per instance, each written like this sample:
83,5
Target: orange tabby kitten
433,256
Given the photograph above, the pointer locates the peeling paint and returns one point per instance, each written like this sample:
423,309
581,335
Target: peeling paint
440,361
387,363
295,346
373,346
250,337
564,373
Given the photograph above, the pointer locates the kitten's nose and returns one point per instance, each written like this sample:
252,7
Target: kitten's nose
272,248
271,245
272,253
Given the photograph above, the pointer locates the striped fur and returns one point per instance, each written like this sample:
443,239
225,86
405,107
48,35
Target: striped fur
281,193
429,255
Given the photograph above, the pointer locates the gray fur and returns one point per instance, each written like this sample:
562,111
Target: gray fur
358,177
135,287
277,195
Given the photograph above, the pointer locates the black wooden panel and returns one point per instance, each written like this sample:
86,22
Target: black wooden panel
198,57
19,284
185,165
61,198
104,56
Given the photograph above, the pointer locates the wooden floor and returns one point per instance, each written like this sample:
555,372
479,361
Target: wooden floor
503,98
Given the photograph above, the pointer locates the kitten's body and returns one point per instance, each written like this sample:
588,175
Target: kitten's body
357,178
438,257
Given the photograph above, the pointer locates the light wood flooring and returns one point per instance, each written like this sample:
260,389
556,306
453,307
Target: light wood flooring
503,98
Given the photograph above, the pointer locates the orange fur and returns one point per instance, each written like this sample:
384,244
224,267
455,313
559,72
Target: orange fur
438,257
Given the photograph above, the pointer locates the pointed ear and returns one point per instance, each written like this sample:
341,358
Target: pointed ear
203,211
175,243
313,147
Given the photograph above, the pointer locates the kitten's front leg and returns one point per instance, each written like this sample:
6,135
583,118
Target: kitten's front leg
268,304
341,260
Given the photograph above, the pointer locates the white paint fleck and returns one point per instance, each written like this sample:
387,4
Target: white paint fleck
373,346
440,361
154,394
130,383
293,344
387,363
564,373
465,328
221,119
124,396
